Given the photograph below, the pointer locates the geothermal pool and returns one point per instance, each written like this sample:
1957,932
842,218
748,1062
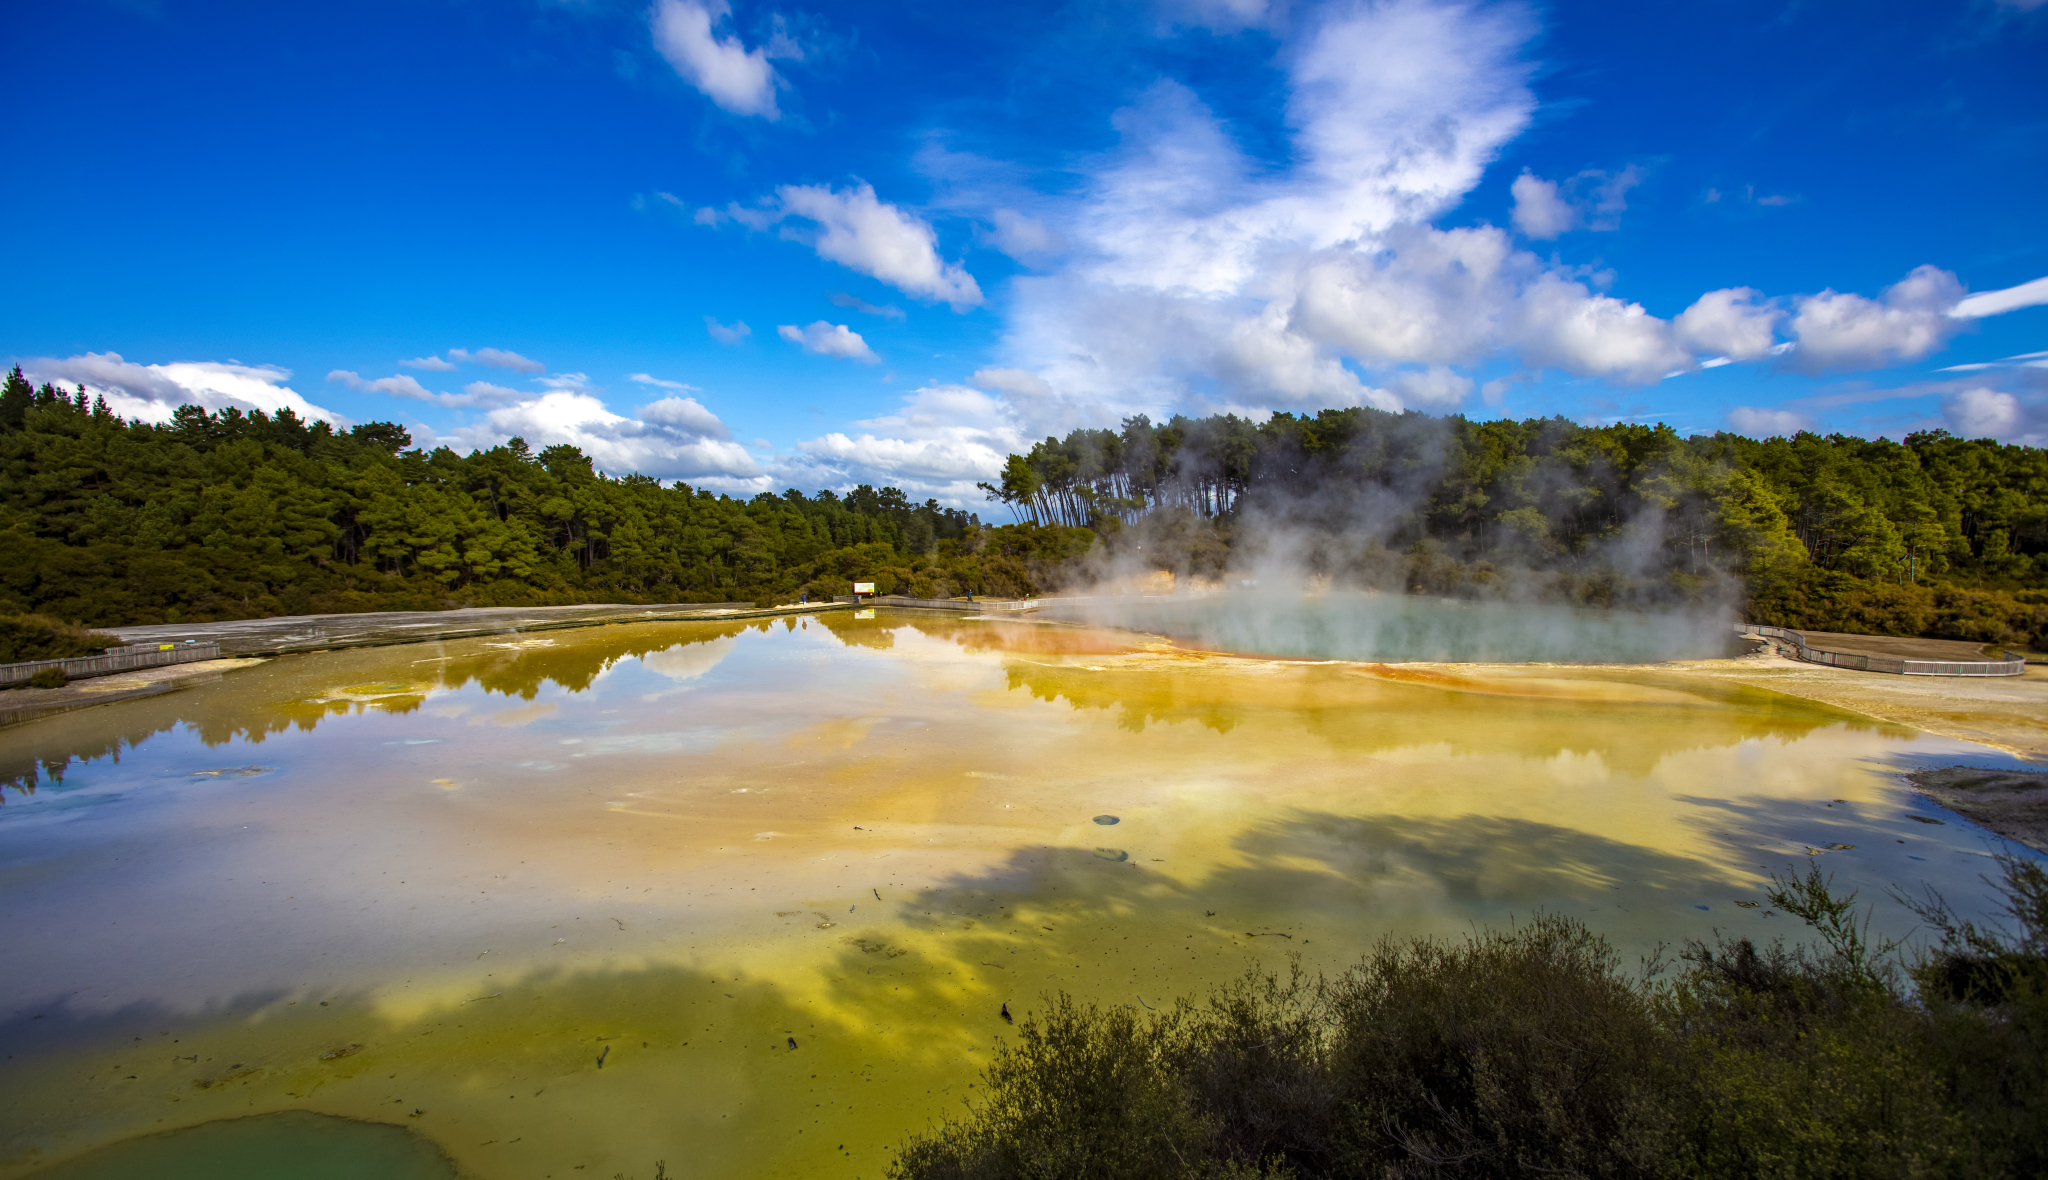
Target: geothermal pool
747,898
1349,625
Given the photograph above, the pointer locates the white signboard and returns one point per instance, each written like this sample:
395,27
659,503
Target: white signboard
863,587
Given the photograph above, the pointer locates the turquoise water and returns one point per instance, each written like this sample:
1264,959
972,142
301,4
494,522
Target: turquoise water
292,1145
1403,628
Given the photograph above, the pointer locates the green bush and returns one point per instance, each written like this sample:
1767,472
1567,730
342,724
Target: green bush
48,678
39,637
1529,1052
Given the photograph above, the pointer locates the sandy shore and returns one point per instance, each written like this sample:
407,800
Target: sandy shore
2009,713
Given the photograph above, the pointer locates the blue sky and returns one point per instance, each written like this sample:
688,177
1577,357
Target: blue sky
759,244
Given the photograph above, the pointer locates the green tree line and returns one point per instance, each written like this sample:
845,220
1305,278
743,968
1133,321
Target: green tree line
1933,535
106,521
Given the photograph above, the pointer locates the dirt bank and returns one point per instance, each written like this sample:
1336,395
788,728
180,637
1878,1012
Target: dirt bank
2009,713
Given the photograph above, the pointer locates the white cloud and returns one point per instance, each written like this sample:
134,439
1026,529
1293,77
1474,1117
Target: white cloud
942,440
1834,330
1540,213
1196,277
1021,382
1026,239
2025,360
674,438
827,339
1732,324
1435,388
399,386
483,393
153,392
1544,209
855,229
476,393
498,358
1977,411
1562,324
728,73
1983,413
1985,303
737,332
430,364
1760,423
650,379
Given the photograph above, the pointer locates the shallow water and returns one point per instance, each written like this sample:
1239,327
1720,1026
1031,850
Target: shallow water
559,906
1346,625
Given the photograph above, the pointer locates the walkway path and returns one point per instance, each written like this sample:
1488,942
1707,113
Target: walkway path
289,633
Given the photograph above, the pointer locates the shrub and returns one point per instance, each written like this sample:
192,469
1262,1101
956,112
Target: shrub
39,637
48,678
1528,1052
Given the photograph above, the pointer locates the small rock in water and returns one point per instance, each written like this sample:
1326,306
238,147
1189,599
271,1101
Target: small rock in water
1007,1018
1115,854
1105,820
792,1042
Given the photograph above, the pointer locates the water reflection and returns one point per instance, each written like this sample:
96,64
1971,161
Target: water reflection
571,897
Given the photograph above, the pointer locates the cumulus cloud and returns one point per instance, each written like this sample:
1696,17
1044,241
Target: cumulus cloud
154,392
1735,323
1539,212
1764,423
1545,209
857,230
724,334
939,444
2017,415
1435,388
674,438
827,339
738,79
1834,330
1196,277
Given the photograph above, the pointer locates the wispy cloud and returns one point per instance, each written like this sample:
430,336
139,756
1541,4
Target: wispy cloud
725,334
650,379
738,79
856,303
863,233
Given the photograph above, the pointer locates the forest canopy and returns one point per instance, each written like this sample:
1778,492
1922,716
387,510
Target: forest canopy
105,521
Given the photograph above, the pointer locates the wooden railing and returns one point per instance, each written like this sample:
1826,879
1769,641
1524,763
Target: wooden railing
1893,664
115,659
